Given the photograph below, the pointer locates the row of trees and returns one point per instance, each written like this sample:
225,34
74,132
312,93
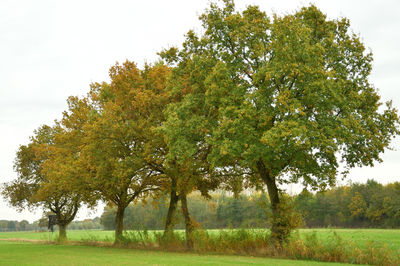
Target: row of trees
219,211
369,205
24,225
356,205
252,101
42,224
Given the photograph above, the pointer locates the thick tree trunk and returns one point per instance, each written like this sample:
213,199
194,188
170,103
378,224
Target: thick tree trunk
64,218
188,221
62,232
172,208
278,225
119,223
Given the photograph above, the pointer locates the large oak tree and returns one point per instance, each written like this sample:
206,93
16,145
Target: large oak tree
285,97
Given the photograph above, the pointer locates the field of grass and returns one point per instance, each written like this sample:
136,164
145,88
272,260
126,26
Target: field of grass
23,253
371,246
76,235
390,237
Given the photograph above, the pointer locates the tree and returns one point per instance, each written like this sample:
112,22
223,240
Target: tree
107,219
12,226
47,176
23,225
118,137
357,206
285,97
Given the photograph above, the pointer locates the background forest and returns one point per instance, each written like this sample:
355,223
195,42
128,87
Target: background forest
353,206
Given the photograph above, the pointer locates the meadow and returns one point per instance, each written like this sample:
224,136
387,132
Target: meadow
94,247
361,237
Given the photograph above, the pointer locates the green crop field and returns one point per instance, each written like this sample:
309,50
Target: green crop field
390,237
22,253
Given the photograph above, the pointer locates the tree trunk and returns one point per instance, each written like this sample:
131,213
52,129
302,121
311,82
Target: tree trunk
188,221
119,223
171,210
279,230
62,232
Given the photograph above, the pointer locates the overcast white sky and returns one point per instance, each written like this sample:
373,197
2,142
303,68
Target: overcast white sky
50,50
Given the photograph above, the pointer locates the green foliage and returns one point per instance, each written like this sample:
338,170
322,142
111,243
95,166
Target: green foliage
220,211
280,96
286,218
290,91
332,208
356,205
242,211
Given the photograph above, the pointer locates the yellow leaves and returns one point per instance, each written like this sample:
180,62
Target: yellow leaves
283,97
357,205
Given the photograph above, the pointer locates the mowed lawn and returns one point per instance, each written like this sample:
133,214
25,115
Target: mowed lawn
23,253
390,237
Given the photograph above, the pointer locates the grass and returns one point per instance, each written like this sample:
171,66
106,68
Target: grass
75,235
361,237
390,237
370,246
22,253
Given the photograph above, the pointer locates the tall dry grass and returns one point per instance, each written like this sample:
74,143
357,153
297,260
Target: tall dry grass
258,243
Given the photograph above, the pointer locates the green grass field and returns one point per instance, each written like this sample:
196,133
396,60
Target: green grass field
361,237
22,253
15,252
390,237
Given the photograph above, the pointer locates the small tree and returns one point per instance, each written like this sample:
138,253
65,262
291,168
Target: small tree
284,97
47,173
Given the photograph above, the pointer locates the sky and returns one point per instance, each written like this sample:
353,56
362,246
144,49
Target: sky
50,50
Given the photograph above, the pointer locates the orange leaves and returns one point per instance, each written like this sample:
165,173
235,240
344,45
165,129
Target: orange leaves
122,144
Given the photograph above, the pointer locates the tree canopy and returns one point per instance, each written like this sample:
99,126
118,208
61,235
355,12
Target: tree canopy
119,138
49,176
287,97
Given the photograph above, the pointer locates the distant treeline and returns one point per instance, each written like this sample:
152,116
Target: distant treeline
42,224
24,225
221,211
356,205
